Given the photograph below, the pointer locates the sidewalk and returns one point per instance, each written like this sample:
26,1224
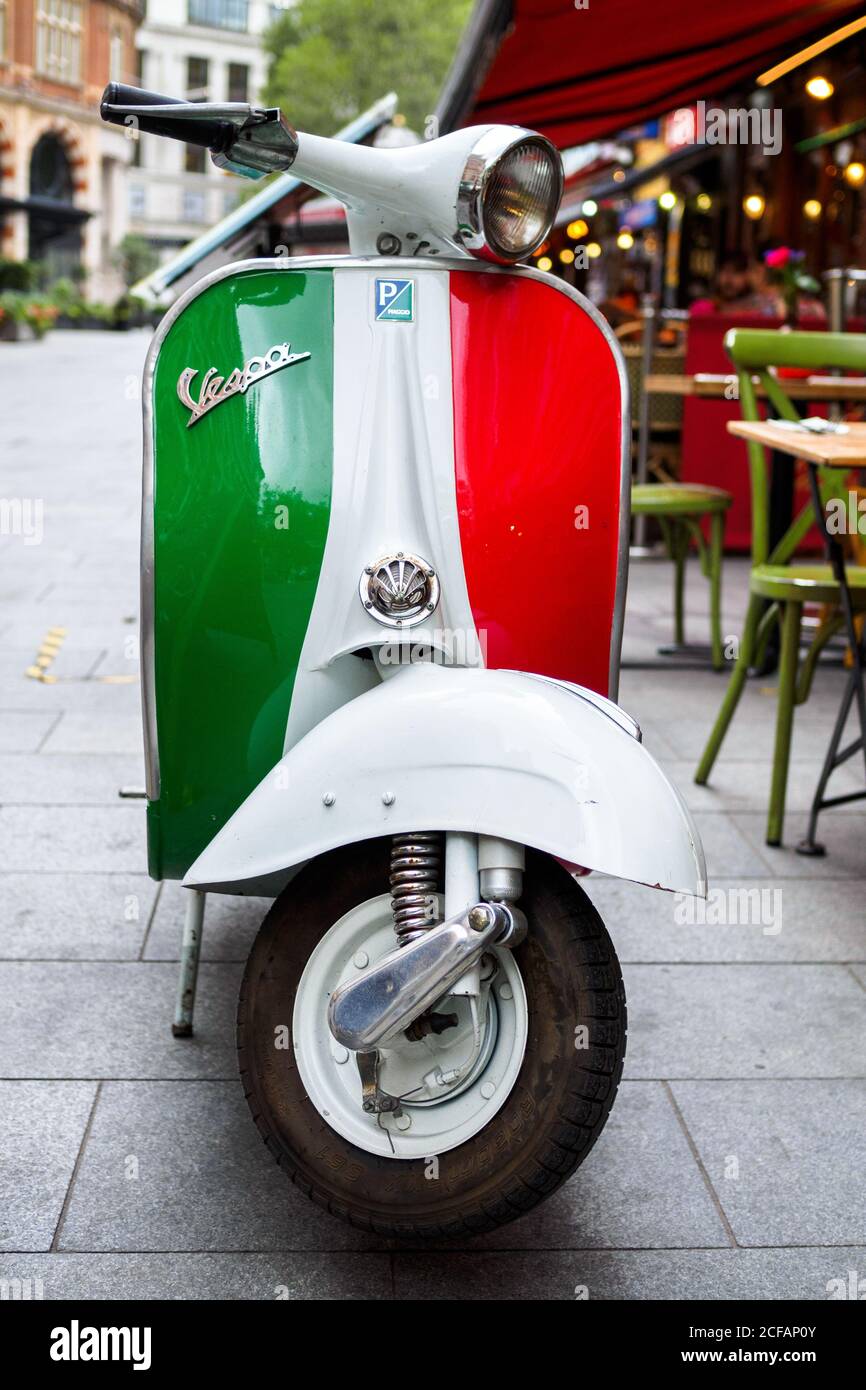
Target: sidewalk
733,1162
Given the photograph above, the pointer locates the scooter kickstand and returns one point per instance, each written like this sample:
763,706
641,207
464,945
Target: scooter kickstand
189,956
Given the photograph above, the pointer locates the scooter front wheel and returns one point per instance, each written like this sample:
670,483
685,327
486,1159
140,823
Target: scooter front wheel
485,1131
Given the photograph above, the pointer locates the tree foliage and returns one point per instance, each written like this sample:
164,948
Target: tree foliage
331,59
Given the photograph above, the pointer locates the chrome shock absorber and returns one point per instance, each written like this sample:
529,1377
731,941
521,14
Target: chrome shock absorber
416,863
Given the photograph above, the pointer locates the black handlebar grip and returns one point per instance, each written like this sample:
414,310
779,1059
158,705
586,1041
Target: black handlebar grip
214,135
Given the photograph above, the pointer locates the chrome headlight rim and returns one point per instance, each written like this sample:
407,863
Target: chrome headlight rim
483,159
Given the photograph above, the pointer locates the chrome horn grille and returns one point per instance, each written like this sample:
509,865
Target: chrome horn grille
399,590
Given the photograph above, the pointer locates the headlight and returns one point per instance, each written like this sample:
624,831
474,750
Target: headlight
508,194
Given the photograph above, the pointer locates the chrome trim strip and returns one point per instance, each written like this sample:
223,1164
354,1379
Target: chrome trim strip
415,264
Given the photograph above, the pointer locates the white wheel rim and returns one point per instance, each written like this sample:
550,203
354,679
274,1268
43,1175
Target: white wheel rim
330,1074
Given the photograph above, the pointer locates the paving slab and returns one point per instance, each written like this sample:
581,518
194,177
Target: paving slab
750,737
42,1124
293,1275
67,779
786,1158
743,920
727,1021
844,837
230,925
74,916
83,1019
93,839
727,849
623,1193
625,1275
24,731
745,786
109,733
181,1166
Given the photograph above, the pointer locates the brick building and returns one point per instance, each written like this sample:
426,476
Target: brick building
62,171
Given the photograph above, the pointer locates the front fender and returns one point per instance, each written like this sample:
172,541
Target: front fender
501,753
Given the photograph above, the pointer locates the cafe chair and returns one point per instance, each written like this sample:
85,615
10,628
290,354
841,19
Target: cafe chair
679,509
779,584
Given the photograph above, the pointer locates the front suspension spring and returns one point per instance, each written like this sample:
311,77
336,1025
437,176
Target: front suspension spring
416,862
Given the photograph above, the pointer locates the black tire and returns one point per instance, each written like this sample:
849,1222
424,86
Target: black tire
548,1124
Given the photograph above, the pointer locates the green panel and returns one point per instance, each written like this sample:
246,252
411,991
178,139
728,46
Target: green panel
242,500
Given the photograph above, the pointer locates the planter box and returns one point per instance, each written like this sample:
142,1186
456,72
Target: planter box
12,332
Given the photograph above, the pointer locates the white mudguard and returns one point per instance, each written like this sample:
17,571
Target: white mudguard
503,753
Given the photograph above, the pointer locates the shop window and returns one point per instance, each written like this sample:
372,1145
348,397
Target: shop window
58,40
193,206
197,77
219,14
239,82
195,159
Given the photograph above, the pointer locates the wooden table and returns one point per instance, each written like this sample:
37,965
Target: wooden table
846,450
843,451
715,385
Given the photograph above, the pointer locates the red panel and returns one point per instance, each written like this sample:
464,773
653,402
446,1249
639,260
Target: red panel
579,73
537,435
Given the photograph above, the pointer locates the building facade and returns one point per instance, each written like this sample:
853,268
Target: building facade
62,171
201,50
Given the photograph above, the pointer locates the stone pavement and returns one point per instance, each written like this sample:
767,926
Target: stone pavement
733,1162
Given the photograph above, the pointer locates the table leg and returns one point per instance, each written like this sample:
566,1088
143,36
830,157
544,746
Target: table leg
855,690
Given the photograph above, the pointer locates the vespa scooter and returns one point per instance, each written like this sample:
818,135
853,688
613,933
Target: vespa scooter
384,549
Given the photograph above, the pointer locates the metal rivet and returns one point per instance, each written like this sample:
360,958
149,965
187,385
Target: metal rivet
341,1055
328,799
361,959
388,798
506,992
488,1089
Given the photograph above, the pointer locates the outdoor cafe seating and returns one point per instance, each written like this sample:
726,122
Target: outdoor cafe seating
770,365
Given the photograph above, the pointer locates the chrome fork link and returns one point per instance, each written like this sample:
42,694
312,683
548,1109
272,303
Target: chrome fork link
416,867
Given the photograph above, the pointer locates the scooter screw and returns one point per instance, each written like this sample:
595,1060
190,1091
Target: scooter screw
328,799
479,918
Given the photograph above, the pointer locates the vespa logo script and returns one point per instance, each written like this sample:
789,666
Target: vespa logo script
216,389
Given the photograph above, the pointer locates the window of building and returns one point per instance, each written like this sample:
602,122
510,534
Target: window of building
115,57
239,82
219,14
137,200
195,159
193,206
58,40
197,79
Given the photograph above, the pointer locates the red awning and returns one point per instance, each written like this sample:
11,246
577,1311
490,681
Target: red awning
580,74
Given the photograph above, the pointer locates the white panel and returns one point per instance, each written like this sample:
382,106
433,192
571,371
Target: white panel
393,488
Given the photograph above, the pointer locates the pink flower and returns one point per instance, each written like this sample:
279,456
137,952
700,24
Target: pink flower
778,258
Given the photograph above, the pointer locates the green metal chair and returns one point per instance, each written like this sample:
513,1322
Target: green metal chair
778,586
678,508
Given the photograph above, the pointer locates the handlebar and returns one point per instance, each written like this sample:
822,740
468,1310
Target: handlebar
121,105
